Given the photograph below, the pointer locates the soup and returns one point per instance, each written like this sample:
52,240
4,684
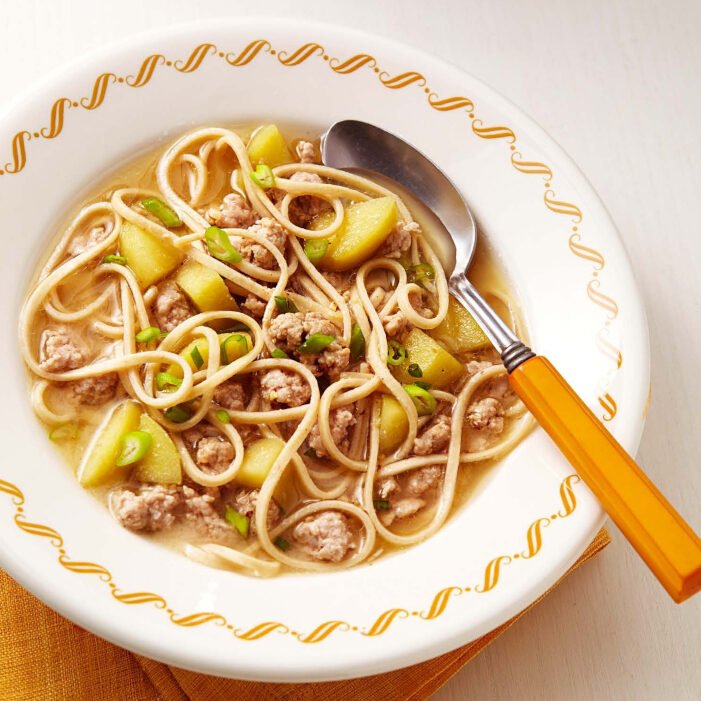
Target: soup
254,358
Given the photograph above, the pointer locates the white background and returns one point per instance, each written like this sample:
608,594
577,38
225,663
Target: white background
616,82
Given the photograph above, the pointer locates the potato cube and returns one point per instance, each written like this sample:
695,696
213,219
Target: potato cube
459,332
394,424
162,463
267,145
439,367
149,257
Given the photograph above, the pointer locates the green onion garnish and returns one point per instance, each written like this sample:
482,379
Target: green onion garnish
279,353
415,370
396,353
423,385
117,260
263,176
222,416
311,453
316,343
357,343
316,249
380,504
197,358
135,445
219,245
424,401
281,543
166,381
285,306
421,273
178,414
150,333
160,209
65,432
238,521
233,347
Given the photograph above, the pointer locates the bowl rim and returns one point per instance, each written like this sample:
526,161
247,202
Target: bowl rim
64,604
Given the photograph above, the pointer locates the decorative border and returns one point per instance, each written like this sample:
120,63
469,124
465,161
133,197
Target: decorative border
106,83
438,605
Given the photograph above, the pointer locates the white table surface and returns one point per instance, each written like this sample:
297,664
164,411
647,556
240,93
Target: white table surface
616,83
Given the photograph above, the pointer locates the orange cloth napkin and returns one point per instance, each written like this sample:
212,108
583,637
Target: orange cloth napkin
44,657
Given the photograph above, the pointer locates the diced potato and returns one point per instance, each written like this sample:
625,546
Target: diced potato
394,424
365,227
439,367
205,288
459,332
233,352
268,146
149,257
162,463
258,458
98,463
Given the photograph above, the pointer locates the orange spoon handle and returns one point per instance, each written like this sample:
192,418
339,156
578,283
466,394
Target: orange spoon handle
662,538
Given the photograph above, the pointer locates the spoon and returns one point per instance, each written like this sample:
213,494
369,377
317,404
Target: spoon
666,543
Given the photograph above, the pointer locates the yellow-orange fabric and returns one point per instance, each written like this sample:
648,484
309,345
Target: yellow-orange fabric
44,657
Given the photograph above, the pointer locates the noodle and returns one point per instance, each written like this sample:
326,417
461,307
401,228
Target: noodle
342,488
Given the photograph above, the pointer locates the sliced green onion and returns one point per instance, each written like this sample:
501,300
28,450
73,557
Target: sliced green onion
117,260
380,504
160,209
150,333
238,521
219,245
223,416
285,306
311,453
424,401
135,445
197,358
263,176
238,326
233,347
316,249
65,432
164,381
421,273
279,353
316,343
415,370
281,543
396,353
423,385
357,343
178,414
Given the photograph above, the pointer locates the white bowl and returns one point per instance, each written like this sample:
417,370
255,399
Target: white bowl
517,536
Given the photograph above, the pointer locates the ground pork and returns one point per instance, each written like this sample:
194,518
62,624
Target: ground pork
475,366
151,507
324,536
58,352
200,509
253,306
434,438
401,508
487,413
399,240
304,208
231,395
341,282
245,500
87,239
233,213
306,152
94,391
285,387
340,422
387,487
256,254
171,307
288,331
214,455
423,479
